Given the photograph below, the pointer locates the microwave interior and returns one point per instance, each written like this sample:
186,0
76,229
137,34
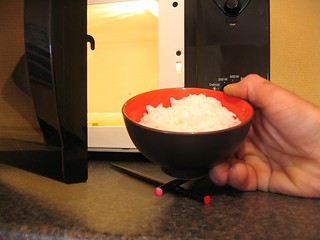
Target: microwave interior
123,64
126,61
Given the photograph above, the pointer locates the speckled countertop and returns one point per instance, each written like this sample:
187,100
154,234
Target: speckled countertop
112,205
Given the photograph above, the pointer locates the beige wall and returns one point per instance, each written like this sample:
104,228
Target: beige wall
11,36
17,118
295,46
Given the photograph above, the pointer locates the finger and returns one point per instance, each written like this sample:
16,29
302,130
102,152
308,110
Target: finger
242,177
219,174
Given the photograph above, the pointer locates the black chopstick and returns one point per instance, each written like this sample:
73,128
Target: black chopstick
137,175
203,199
164,188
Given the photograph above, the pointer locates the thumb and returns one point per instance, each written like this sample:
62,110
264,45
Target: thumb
253,88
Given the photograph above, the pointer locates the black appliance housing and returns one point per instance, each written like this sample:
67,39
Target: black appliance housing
225,40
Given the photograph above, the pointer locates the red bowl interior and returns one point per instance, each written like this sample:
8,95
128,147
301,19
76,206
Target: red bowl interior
135,107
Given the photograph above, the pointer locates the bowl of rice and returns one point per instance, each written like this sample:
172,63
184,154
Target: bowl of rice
187,130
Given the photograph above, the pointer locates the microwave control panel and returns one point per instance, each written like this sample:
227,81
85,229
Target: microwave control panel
224,41
211,43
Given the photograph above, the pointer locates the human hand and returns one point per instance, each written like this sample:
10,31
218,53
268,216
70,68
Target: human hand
281,153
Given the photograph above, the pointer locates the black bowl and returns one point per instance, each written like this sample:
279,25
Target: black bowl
186,154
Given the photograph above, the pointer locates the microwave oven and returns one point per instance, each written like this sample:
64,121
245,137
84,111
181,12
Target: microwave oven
148,44
84,59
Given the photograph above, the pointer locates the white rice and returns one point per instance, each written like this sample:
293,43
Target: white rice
195,113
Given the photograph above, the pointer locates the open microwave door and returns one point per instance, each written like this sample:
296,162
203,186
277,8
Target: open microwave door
56,58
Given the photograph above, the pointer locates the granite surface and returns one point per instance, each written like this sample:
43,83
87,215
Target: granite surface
113,205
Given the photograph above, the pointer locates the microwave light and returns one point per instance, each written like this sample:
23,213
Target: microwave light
151,6
109,9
